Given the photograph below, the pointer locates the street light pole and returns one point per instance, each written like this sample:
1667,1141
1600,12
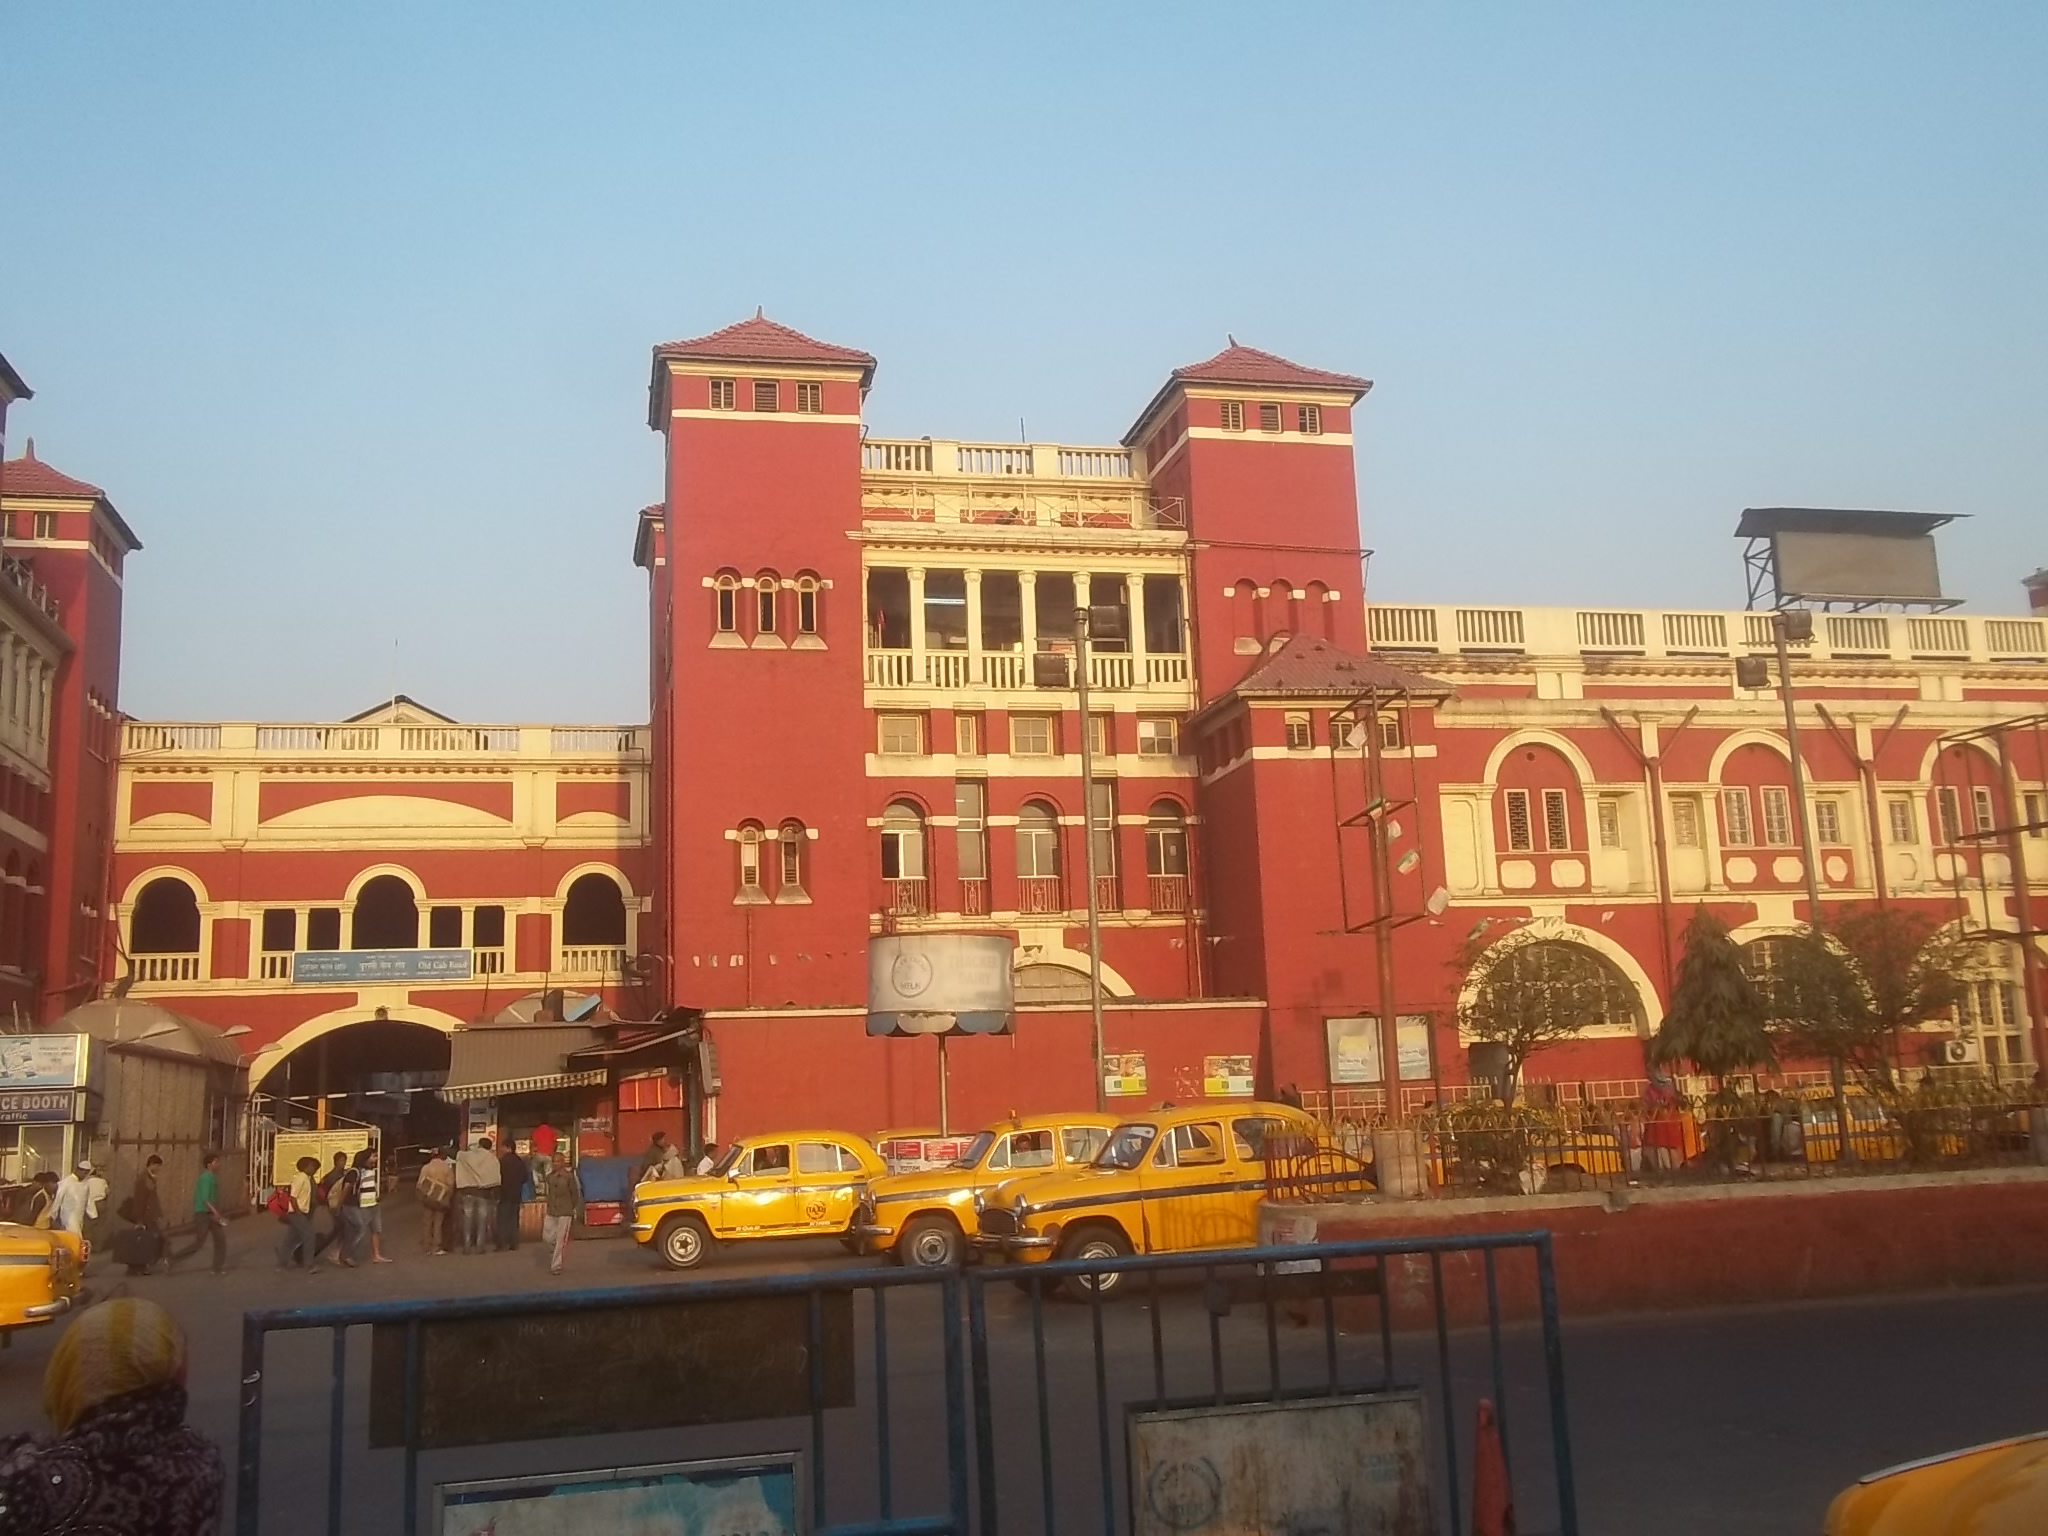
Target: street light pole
1081,636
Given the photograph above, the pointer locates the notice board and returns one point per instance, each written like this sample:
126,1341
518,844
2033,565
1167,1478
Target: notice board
650,1365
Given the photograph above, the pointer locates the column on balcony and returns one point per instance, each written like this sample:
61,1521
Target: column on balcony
1027,603
975,665
917,649
1141,661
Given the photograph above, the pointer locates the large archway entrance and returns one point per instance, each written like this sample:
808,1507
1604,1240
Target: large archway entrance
384,1072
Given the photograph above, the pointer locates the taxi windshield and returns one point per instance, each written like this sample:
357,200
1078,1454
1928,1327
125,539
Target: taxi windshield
975,1150
1126,1146
724,1164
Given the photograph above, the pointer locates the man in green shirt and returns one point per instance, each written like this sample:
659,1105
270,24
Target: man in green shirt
207,1220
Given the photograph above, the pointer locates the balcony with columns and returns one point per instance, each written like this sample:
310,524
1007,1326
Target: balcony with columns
979,630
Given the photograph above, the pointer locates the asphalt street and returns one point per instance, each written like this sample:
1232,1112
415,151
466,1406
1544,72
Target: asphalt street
1744,1419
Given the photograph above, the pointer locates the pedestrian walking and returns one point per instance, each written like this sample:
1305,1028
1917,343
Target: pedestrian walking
69,1210
436,1189
563,1192
142,1242
342,1187
42,1204
369,1213
98,1215
297,1245
476,1186
207,1220
512,1180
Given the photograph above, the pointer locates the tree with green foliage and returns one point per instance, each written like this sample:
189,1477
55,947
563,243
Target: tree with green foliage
1717,1020
1526,992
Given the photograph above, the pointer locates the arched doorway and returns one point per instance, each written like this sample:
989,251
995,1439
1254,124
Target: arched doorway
165,920
382,1071
386,916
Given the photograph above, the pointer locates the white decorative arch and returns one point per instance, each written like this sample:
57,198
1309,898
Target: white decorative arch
1113,983
611,872
165,872
1934,751
1557,930
1532,737
365,876
340,1018
1752,737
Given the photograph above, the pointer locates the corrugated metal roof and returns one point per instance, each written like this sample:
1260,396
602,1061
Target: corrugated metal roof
493,1060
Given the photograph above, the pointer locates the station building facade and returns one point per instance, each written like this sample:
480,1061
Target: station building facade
864,720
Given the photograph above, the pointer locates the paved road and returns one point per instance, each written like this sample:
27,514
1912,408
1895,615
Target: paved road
1701,1423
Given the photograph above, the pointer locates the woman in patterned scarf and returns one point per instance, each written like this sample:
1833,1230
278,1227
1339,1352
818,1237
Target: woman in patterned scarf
124,1460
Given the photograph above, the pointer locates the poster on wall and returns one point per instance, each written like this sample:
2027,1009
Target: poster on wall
756,1495
42,1061
1358,1463
1123,1074
1226,1077
1355,1048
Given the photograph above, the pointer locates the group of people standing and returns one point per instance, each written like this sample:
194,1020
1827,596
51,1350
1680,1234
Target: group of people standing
349,1193
482,1190
136,1231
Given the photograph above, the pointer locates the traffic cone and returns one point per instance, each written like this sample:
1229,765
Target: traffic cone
1493,1499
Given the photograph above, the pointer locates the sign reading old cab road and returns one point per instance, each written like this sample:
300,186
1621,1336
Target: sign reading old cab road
534,1376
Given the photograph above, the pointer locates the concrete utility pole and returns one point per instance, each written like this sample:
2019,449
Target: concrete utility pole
1083,632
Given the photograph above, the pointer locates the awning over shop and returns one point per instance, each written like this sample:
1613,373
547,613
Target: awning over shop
614,1052
494,1060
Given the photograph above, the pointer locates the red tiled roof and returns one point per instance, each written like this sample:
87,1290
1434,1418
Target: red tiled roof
1309,666
761,340
30,476
1248,365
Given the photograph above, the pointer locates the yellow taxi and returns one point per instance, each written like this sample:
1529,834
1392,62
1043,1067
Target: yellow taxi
782,1184
41,1270
1988,1490
923,1218
1178,1181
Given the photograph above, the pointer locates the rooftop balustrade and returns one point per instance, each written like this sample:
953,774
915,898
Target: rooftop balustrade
1019,485
249,739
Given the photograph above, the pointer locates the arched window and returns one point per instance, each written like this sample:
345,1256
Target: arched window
903,857
807,604
165,920
594,912
750,862
1555,978
1050,984
767,595
386,916
726,603
1539,807
1763,961
1166,856
1038,859
790,839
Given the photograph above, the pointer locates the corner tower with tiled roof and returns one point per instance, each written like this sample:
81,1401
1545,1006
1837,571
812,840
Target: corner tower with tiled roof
1256,451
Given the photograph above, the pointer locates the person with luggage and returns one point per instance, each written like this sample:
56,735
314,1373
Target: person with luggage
140,1243
296,1245
437,1201
331,1195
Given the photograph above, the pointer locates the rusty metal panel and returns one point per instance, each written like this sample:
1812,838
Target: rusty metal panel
1342,1466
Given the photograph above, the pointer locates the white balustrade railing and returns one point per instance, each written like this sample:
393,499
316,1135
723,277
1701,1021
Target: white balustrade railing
234,738
316,738
165,967
454,739
276,967
891,669
139,736
591,960
488,961
1112,669
1010,671
1005,669
593,738
1166,671
946,669
1444,629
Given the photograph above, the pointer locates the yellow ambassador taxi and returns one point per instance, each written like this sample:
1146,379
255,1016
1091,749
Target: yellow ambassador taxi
41,1271
782,1184
1987,1490
1178,1181
923,1218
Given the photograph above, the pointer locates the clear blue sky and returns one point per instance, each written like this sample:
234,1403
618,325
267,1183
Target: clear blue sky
349,306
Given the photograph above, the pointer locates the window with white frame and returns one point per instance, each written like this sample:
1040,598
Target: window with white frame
1980,803
1557,826
1736,829
1342,723
1233,415
1609,809
750,862
901,735
1031,736
807,605
902,842
1300,731
1777,816
1392,737
970,834
1949,802
1101,738
810,398
723,395
1158,735
1269,417
767,395
1038,841
967,732
1310,419
1685,822
1827,821
767,592
2036,813
1521,836
726,603
1900,820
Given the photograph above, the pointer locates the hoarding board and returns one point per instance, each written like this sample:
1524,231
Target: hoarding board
1123,1074
287,1147
1863,567
1355,1048
941,983
326,966
1227,1077
756,1495
1356,1463
42,1061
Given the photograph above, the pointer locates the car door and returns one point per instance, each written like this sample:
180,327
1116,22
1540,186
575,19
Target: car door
828,1181
762,1197
1185,1190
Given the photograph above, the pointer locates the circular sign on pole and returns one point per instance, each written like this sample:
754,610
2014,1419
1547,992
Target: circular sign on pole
941,983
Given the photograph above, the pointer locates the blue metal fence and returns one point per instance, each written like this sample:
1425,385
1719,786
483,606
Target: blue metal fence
981,1402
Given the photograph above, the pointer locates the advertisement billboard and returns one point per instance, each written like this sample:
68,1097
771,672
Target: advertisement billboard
42,1061
1355,1049
940,984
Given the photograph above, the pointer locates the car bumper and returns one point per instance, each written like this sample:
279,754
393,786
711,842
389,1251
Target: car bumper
870,1231
46,1311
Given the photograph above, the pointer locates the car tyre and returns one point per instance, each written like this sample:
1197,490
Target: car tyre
684,1241
1094,1242
930,1242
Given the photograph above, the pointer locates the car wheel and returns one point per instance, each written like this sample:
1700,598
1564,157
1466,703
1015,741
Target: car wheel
1094,1243
684,1242
930,1242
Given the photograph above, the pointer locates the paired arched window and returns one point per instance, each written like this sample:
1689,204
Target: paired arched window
751,874
165,920
767,603
790,849
386,916
1038,842
1539,807
594,912
806,604
725,597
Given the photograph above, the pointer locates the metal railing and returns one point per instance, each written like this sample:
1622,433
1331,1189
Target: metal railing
914,1402
1040,893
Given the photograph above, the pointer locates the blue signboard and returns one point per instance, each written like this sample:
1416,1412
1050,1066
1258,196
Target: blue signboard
23,1108
328,966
